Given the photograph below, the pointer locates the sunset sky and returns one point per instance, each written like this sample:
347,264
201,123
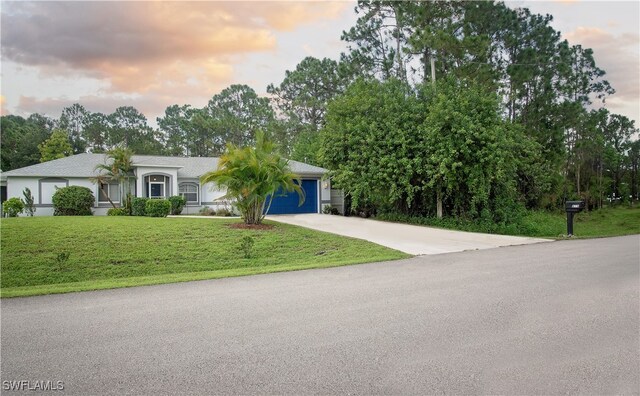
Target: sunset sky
154,54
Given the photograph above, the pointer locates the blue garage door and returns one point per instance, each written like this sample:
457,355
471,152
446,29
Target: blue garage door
288,204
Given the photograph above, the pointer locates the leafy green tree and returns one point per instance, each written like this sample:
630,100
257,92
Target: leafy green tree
21,138
57,146
237,113
305,91
252,177
73,120
128,127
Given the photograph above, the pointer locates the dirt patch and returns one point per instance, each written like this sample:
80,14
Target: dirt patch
243,226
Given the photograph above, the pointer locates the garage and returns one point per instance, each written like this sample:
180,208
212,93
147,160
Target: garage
288,203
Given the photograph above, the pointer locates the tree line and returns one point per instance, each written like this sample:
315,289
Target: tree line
436,108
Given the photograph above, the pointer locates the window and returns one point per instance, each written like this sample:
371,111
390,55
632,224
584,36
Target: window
109,190
157,186
48,187
190,192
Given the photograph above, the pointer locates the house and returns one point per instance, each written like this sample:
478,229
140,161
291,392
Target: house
155,177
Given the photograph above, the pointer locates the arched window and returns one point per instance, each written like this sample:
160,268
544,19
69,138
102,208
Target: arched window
190,192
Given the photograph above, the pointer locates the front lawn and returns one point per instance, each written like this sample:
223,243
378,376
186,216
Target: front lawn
43,255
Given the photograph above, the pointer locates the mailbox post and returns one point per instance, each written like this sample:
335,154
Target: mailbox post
572,207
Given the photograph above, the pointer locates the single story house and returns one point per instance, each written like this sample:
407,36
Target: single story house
155,177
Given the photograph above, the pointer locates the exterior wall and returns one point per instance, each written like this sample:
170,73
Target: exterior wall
16,185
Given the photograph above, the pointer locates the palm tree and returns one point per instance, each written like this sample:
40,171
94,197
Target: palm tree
252,177
120,171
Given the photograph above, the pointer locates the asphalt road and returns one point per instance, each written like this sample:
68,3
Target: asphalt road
552,318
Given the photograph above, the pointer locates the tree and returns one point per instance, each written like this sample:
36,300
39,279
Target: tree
21,138
252,177
128,127
57,146
237,113
120,171
74,119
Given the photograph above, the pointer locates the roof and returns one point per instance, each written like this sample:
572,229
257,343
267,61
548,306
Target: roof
83,165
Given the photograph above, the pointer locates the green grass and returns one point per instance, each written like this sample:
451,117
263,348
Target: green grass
110,252
601,223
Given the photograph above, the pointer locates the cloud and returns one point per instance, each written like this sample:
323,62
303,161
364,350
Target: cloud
139,46
618,56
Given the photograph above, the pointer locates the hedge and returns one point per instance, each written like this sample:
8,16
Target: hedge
138,206
177,204
157,208
73,201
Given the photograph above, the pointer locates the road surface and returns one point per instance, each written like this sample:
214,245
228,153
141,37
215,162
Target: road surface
549,318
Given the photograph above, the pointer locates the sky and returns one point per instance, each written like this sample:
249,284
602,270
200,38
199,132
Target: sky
154,54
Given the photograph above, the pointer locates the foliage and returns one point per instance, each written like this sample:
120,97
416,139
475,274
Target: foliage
73,201
252,175
57,146
330,210
223,212
21,138
61,259
117,212
536,223
207,211
157,208
12,207
177,204
138,206
246,246
28,201
119,171
172,250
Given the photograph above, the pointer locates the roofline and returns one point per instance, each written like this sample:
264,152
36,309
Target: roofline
159,166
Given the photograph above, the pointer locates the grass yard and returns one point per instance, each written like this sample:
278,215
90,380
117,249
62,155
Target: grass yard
44,255
600,223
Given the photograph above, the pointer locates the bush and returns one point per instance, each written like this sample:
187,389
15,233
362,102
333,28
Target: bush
73,201
29,206
157,208
207,211
246,246
117,212
12,207
224,212
330,210
138,206
177,204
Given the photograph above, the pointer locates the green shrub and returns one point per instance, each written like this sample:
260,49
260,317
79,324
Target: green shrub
12,207
330,210
207,211
29,206
224,212
138,206
246,246
73,201
177,204
157,208
117,212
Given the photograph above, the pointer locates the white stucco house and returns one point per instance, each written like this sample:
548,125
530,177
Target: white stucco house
155,177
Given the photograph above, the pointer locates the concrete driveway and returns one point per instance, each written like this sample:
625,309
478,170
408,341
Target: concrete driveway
416,240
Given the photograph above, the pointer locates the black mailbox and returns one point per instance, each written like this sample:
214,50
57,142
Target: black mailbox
572,207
